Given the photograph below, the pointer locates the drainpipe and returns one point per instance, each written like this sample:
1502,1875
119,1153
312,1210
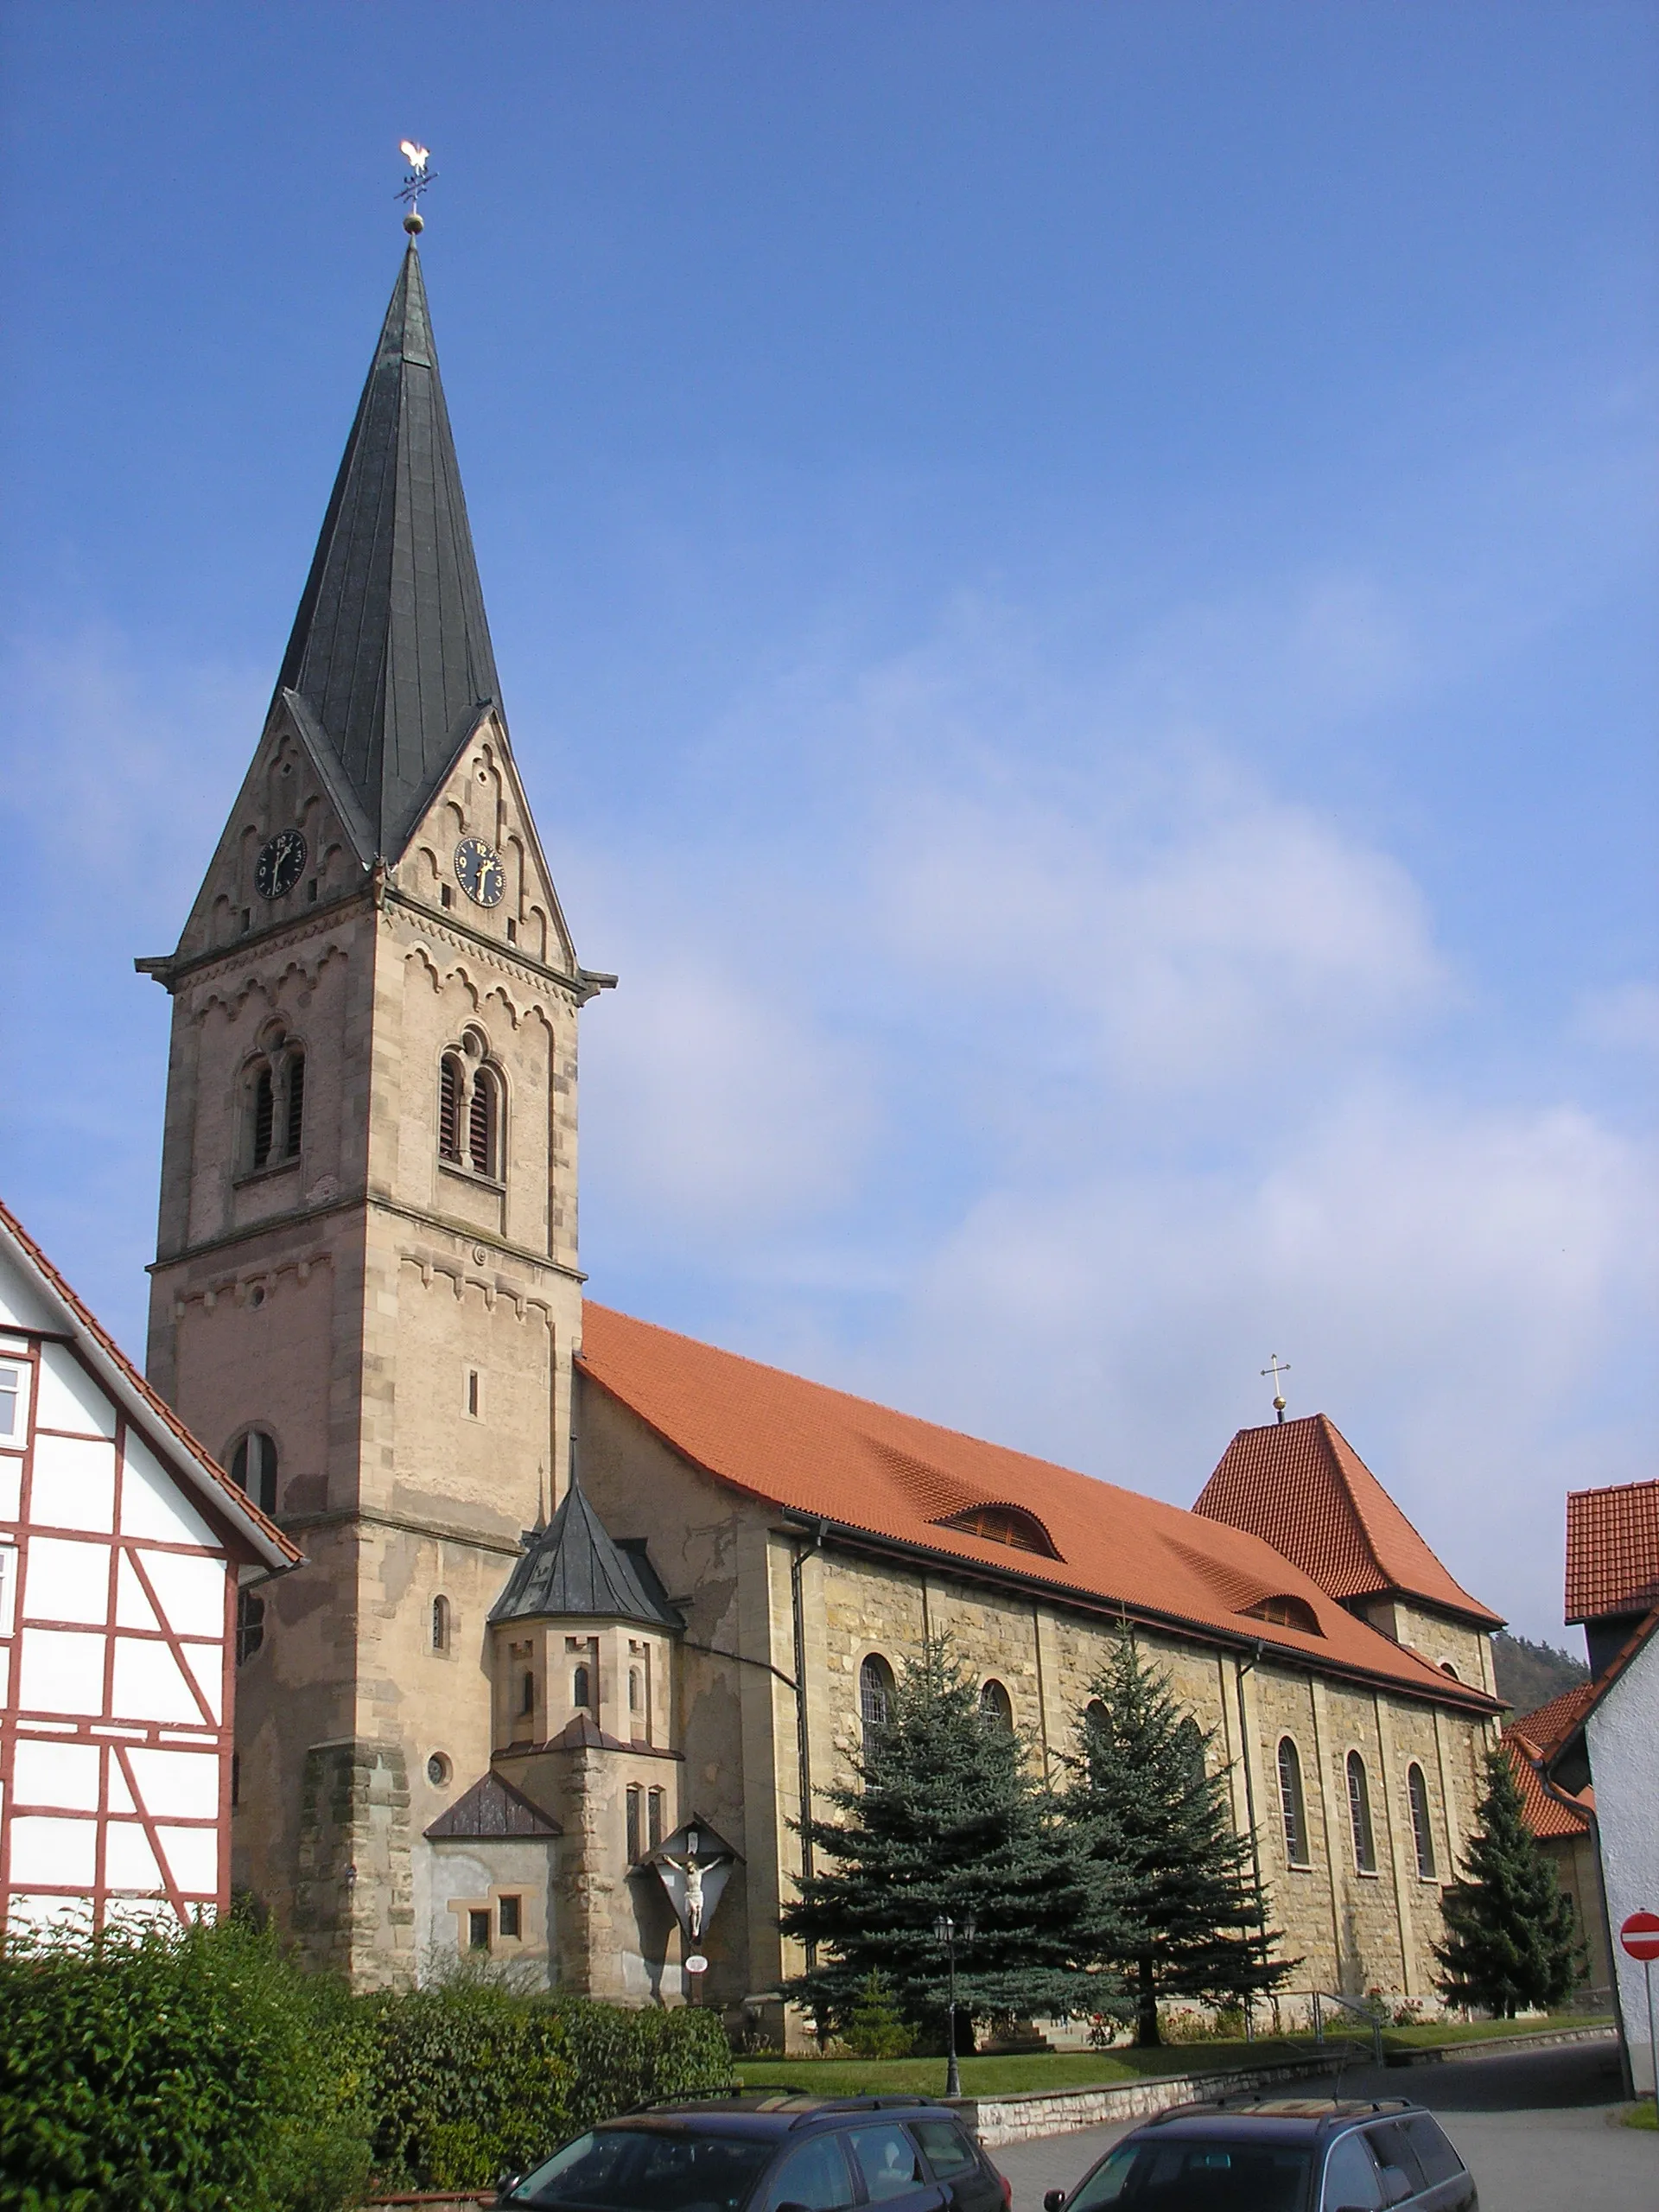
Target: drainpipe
1242,1667
802,1739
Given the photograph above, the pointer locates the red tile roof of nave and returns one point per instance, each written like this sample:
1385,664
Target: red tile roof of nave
1302,1487
1612,1550
1547,1812
232,1499
818,1452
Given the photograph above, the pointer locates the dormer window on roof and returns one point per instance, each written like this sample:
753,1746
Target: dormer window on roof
1004,1524
1285,1611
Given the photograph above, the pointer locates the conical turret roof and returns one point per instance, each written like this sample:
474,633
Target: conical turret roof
390,666
574,1567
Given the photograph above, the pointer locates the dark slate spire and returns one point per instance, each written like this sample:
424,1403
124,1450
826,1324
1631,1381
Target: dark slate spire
574,1567
389,665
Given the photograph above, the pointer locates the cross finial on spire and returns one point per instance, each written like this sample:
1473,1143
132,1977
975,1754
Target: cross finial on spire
414,185
1276,1367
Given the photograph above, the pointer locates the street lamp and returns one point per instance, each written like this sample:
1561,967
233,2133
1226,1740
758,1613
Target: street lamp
948,1930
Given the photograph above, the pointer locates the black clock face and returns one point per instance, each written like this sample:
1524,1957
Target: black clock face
479,872
280,865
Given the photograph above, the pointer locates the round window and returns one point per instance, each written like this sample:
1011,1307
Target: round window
438,1770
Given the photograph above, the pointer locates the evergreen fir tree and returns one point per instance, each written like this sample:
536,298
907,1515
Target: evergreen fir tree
1186,1917
877,2029
1510,1940
945,1816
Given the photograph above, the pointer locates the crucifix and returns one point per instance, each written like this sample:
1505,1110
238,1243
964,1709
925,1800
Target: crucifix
1276,1368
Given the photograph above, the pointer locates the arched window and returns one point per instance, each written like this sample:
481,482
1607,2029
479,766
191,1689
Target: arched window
1359,1815
1446,1668
1423,1833
653,1818
277,1104
634,1794
483,1123
1287,1612
636,1690
996,1705
1189,1740
1291,1804
1096,1717
253,1469
249,1624
874,1697
581,1693
1003,1524
450,1085
440,1623
527,1696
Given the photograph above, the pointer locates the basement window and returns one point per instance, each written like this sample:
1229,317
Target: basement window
507,1917
478,1931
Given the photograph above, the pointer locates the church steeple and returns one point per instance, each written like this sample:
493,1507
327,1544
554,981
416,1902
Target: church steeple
390,670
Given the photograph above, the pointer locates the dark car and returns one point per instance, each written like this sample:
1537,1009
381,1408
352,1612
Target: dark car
770,2154
1279,2155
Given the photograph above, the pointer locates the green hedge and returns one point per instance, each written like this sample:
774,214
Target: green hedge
208,2072
469,2082
177,2072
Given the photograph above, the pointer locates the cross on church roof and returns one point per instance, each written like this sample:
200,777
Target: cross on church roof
1276,1367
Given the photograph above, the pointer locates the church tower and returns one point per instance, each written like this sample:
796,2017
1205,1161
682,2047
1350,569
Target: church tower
365,1297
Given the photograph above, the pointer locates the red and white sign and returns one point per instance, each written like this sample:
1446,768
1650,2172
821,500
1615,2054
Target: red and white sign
1640,1935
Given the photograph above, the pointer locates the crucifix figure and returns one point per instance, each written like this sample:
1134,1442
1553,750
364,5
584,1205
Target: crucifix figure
693,1872
1276,1368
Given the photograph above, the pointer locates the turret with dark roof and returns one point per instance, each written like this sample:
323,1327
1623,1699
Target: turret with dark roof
389,667
574,1569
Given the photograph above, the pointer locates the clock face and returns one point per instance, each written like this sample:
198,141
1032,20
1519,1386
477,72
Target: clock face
280,865
479,872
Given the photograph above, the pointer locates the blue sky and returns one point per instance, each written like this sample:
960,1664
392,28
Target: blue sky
1074,589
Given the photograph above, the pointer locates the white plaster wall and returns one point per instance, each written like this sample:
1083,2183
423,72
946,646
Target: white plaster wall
1624,1738
451,1879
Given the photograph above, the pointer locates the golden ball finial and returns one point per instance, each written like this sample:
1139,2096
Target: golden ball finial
413,224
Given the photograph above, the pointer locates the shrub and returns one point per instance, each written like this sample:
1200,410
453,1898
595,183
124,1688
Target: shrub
176,2071
470,2080
877,2029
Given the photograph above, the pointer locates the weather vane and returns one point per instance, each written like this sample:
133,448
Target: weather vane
414,185
1276,1367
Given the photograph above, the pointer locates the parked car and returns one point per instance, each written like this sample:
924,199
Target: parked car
773,2153
1282,2154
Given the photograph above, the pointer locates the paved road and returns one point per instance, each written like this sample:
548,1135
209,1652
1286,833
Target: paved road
1534,2130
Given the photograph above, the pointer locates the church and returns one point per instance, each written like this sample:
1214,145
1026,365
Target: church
587,1610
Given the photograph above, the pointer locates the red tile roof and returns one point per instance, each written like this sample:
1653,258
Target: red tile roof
1612,1550
1547,1810
268,1539
1302,1487
822,1454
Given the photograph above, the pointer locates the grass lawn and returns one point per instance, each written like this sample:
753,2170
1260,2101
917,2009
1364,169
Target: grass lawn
1084,2069
1642,2115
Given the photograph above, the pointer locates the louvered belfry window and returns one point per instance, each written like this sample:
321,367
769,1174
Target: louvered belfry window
264,1114
480,1124
295,1102
449,1110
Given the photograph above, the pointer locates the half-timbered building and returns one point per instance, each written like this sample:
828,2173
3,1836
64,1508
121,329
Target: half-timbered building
124,1552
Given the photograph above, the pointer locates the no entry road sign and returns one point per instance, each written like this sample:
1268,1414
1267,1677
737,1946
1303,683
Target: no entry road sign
1640,1935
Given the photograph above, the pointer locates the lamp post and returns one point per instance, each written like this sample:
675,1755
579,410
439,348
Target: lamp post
947,1930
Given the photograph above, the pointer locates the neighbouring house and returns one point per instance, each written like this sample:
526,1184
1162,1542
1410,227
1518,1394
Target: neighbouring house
127,1560
1564,1822
1608,1736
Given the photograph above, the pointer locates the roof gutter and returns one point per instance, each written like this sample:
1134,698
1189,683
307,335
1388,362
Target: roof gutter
1458,1694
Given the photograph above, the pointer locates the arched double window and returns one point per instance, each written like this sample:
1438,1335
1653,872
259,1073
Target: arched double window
253,1469
1422,1833
875,1698
1291,1803
275,1104
1359,1815
469,1110
996,1704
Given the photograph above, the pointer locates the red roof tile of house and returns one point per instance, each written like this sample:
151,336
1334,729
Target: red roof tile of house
1547,1810
1548,1725
822,1454
1302,1487
1612,1550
